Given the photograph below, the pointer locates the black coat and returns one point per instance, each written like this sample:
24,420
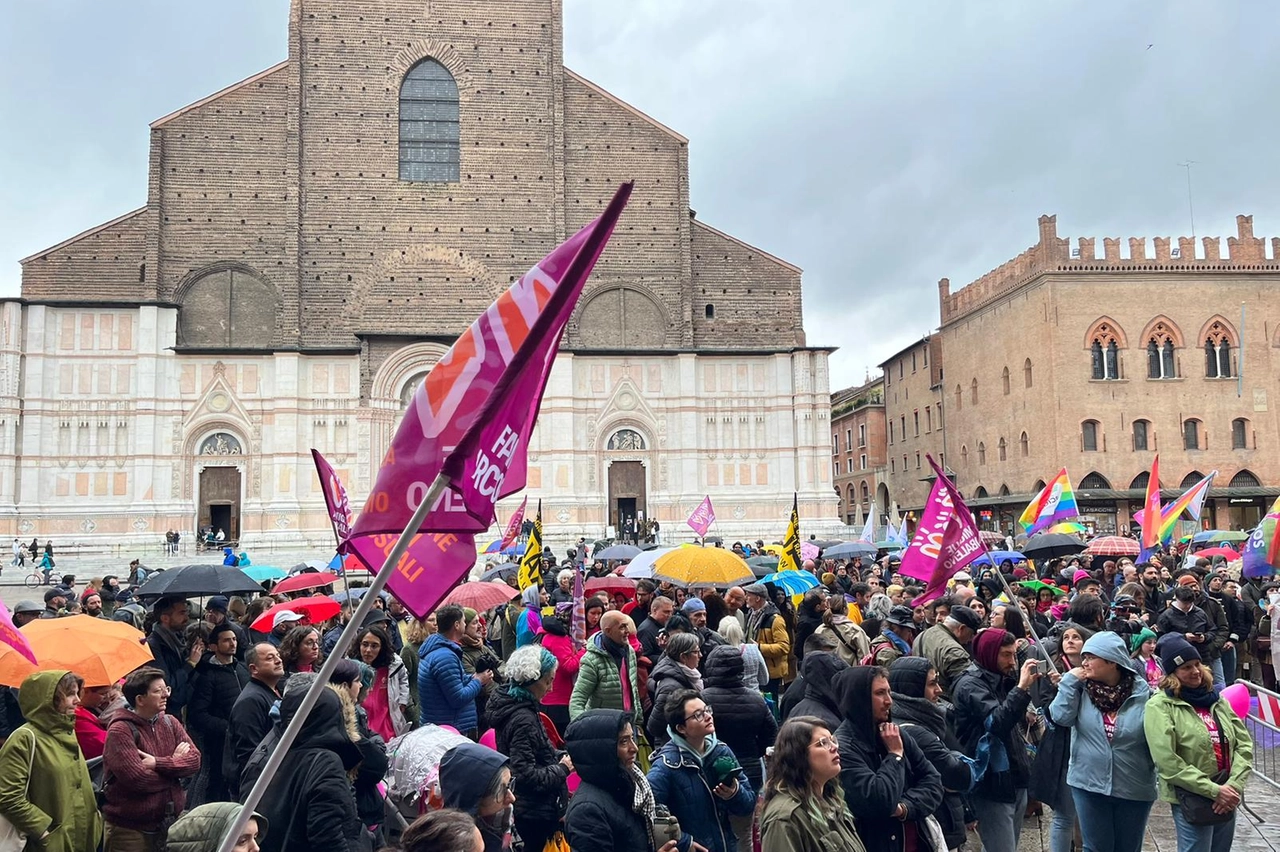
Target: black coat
214,691
1239,621
177,673
250,722
647,635
600,816
666,679
874,782
537,776
806,624
819,689
987,699
743,720
927,726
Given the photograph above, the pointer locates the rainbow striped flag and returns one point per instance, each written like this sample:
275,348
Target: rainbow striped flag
1262,549
1055,502
1191,503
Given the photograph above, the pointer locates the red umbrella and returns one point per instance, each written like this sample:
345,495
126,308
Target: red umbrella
480,595
316,608
1113,545
305,580
991,537
612,585
1222,550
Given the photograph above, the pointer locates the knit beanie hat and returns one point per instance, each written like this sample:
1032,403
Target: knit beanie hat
828,578
986,648
1136,640
1174,651
529,664
469,615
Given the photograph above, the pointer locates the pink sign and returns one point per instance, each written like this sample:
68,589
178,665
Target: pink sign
12,636
335,500
513,526
702,518
946,539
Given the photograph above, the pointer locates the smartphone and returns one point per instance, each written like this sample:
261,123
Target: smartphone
1042,666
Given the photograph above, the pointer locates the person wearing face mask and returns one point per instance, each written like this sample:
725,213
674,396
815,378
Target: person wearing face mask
45,791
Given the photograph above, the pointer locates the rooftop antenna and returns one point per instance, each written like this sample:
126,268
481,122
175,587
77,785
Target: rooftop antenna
1190,207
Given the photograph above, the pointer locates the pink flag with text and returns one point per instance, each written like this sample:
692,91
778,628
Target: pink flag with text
12,636
335,500
513,526
471,419
946,539
703,517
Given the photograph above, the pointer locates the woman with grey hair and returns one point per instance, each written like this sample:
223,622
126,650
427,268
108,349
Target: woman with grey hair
676,670
754,671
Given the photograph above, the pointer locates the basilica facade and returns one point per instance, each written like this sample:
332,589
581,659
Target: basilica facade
316,236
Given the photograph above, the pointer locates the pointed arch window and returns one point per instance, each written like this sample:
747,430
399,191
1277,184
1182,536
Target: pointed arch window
1094,481
429,124
973,392
964,454
1217,352
1026,373
1104,353
982,453
1004,380
1161,361
1002,448
959,397
1024,445
980,493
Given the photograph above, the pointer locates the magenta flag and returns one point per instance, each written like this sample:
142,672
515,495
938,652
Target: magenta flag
335,500
471,419
578,620
702,518
513,525
946,539
12,636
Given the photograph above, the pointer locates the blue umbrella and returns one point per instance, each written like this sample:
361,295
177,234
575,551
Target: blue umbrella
792,582
354,594
995,557
262,573
849,549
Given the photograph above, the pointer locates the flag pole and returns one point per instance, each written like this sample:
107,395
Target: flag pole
1013,601
353,627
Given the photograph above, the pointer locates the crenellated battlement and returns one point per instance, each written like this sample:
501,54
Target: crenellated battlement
1053,254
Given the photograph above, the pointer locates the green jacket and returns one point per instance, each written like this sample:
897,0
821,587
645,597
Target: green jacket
56,795
1183,754
600,686
788,826
201,829
939,646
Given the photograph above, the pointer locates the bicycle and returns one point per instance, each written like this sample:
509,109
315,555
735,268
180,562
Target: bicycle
36,579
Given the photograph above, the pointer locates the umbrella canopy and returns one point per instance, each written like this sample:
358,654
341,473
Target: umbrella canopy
263,573
824,543
991,537
792,582
641,567
194,581
98,650
513,549
480,595
309,580
1219,535
702,566
500,572
850,549
1222,550
317,565
317,608
1050,545
1113,545
763,565
1068,528
612,585
775,549
995,557
1040,584
888,545
617,553
350,594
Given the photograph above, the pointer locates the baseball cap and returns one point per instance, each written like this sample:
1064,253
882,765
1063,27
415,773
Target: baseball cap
694,605
285,616
966,616
55,592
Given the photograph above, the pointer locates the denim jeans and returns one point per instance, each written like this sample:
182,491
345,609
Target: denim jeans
1203,838
1218,679
1000,823
1229,665
1062,830
1109,824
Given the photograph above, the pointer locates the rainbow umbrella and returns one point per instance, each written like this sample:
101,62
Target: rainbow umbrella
1068,528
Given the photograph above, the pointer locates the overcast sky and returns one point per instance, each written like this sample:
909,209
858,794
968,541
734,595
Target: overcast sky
880,146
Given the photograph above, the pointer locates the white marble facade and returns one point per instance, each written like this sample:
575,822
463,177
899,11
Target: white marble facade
105,430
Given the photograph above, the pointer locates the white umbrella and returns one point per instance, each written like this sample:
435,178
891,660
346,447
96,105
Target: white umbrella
641,567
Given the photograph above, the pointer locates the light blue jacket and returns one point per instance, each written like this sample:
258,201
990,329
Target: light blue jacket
1120,767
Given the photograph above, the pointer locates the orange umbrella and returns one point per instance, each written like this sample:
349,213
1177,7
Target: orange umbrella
98,650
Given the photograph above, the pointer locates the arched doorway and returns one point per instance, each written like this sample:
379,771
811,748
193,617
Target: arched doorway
218,499
628,490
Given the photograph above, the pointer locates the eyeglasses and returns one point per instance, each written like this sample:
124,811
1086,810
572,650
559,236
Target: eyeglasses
701,715
828,743
503,792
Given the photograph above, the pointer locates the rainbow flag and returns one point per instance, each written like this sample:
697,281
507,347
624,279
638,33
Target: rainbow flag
1151,512
1262,549
1055,502
1191,502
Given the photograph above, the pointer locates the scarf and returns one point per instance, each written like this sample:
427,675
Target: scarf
912,710
1202,697
1107,698
612,648
498,826
757,618
470,641
643,802
168,637
694,676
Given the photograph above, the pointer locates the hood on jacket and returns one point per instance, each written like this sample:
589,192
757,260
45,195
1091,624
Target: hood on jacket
466,775
592,743
201,829
503,706
327,726
819,670
35,698
1109,646
668,668
853,685
723,668
436,641
907,675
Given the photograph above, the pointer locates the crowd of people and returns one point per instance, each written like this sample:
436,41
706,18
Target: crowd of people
697,720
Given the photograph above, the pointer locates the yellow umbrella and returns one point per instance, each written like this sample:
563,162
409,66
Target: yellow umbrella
702,566
775,549
98,650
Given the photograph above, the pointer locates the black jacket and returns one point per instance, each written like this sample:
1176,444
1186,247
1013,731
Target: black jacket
537,776
985,698
666,679
177,672
819,689
309,803
743,720
874,782
1196,620
1239,620
600,816
214,691
926,724
806,624
647,634
250,722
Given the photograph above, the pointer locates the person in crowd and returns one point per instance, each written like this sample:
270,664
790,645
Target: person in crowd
418,632
921,716
91,604
562,593
447,693
1185,618
608,675
817,687
746,724
735,601
768,630
445,830
991,709
25,612
388,697
351,681
638,609
216,614
1200,748
897,632
45,792
676,671
216,685
813,606
310,803
529,621
54,600
478,780
1143,645
697,777
945,646
202,828
889,786
755,673
172,657
694,610
91,727
661,608
283,622
538,771
614,806
1219,628
555,638
804,807
147,754
1239,629
250,718
300,650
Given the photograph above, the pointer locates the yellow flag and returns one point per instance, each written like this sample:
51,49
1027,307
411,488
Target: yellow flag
531,564
790,558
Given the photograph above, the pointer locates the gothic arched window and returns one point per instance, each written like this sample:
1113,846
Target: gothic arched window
1217,352
429,124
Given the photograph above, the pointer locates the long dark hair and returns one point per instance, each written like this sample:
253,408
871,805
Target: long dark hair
788,770
385,653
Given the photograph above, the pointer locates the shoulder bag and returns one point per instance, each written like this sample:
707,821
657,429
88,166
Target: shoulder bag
12,840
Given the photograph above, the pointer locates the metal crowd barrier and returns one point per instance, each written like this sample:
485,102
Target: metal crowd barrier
1263,722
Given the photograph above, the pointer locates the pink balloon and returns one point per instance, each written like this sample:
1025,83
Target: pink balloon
489,739
1237,695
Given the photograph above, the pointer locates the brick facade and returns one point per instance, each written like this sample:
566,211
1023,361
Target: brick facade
858,446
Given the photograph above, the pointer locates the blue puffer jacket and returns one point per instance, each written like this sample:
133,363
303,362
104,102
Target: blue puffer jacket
446,692
684,784
1119,767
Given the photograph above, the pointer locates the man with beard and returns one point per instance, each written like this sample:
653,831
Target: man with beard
215,612
1155,600
110,588
168,645
92,604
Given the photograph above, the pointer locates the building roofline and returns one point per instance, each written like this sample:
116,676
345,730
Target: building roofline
80,236
684,140
731,238
912,345
229,89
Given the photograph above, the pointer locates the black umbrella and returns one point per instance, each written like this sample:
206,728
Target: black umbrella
194,581
501,572
1051,545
